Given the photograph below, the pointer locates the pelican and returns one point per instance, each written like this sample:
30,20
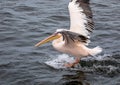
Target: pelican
75,41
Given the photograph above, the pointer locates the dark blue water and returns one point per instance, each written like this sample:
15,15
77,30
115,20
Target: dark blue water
24,22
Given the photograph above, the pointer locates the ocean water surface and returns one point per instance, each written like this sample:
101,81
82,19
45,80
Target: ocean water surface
25,22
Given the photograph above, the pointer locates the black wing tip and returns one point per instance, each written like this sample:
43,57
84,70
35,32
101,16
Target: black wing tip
88,12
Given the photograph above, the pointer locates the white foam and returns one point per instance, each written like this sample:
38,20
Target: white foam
60,61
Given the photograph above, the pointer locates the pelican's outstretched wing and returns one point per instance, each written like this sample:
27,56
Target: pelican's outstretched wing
81,17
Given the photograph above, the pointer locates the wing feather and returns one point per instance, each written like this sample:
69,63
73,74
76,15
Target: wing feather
72,37
81,17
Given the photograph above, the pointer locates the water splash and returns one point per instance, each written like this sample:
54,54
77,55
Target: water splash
59,62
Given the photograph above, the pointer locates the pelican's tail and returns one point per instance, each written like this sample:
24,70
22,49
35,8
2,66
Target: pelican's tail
95,51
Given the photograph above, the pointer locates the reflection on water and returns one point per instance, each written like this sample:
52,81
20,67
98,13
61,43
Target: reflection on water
76,79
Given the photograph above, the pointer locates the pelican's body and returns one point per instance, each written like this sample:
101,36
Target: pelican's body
76,49
75,40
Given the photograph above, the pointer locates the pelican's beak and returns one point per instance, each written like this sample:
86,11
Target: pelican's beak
50,38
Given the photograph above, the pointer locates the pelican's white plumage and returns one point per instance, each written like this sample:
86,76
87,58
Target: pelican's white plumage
78,19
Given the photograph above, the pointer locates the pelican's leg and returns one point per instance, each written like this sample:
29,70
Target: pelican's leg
77,60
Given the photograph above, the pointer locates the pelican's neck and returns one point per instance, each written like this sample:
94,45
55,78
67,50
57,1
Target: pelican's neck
59,30
58,43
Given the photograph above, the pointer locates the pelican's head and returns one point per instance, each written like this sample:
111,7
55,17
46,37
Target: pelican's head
54,36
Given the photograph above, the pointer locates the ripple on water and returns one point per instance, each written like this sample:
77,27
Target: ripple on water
24,22
25,9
